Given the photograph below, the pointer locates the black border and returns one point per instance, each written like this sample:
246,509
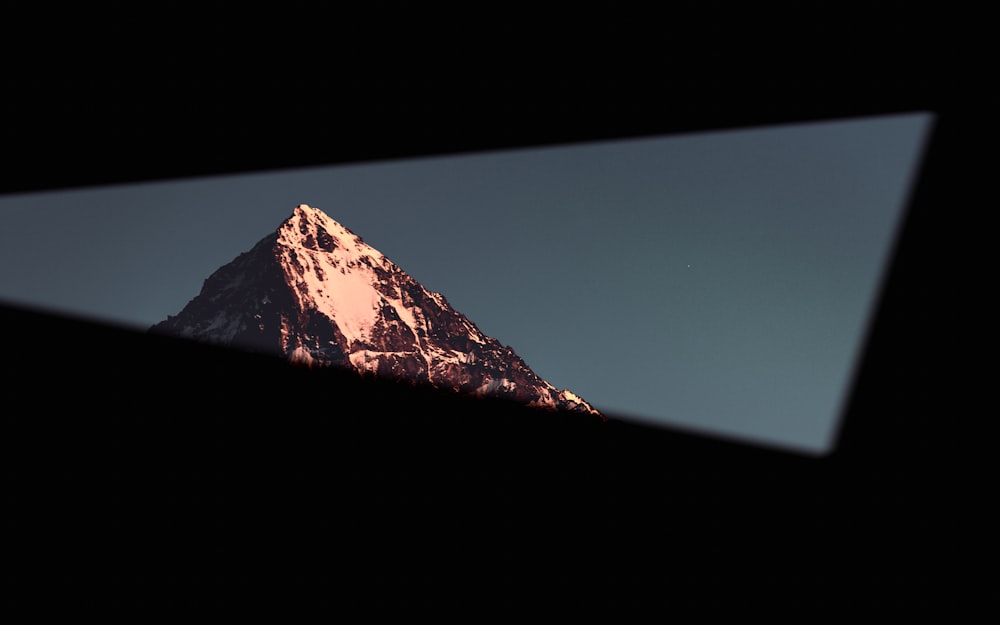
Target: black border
117,513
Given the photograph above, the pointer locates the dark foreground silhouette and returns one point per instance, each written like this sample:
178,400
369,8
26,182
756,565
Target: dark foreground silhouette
152,475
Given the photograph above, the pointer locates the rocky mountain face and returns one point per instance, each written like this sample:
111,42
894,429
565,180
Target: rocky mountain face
316,293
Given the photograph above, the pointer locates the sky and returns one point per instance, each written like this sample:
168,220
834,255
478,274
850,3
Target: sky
719,282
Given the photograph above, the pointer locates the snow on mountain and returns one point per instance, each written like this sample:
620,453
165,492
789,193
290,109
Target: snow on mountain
316,293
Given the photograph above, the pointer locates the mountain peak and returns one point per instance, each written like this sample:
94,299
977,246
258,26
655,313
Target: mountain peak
311,213
313,229
316,293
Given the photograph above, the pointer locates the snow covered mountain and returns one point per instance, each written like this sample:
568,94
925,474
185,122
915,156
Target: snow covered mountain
316,293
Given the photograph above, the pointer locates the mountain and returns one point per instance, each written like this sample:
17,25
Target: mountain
316,293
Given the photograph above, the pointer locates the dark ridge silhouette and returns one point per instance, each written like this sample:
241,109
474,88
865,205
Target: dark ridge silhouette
163,472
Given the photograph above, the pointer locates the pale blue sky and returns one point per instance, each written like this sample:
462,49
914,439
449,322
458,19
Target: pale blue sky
716,281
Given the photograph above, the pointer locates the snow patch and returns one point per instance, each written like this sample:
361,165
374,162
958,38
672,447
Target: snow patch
493,385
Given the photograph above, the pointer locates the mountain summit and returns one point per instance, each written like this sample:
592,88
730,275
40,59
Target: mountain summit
316,293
